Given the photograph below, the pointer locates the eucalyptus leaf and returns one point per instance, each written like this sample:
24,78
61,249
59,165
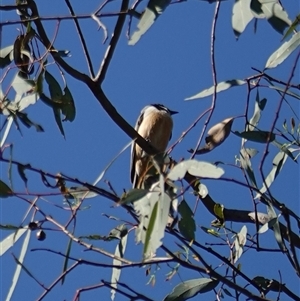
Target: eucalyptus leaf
190,288
133,195
275,15
220,87
153,10
259,107
6,56
5,190
278,163
216,135
256,136
293,26
240,242
195,168
241,16
186,224
116,273
283,52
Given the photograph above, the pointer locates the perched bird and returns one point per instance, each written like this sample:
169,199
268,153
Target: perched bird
155,125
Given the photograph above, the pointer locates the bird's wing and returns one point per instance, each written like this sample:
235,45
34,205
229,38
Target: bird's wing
133,152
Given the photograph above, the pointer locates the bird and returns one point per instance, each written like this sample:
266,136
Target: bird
155,125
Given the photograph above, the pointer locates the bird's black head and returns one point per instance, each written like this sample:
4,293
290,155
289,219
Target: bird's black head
163,108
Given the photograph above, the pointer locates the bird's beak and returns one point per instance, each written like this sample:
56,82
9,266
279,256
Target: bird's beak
173,112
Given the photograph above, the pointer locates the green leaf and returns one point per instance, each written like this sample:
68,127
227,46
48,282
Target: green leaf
262,282
275,14
56,96
288,92
255,7
272,214
220,87
218,210
65,265
186,224
9,241
284,148
210,231
21,169
6,56
56,113
119,252
19,266
54,87
241,16
150,229
246,165
68,106
256,136
239,243
153,10
278,163
9,227
283,52
292,28
93,237
118,232
5,191
28,123
81,192
22,84
196,168
132,195
190,288
259,107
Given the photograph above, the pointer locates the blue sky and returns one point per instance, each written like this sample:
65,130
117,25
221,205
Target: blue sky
170,63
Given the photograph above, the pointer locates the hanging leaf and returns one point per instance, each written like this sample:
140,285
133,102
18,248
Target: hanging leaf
10,240
256,10
216,135
241,16
118,232
56,97
6,56
292,28
246,165
218,211
66,260
278,163
5,191
220,87
256,136
283,52
285,148
119,252
17,273
288,92
186,224
190,288
273,216
153,10
153,211
21,171
28,123
259,107
68,106
239,243
275,15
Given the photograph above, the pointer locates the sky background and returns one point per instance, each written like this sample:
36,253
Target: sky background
170,63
